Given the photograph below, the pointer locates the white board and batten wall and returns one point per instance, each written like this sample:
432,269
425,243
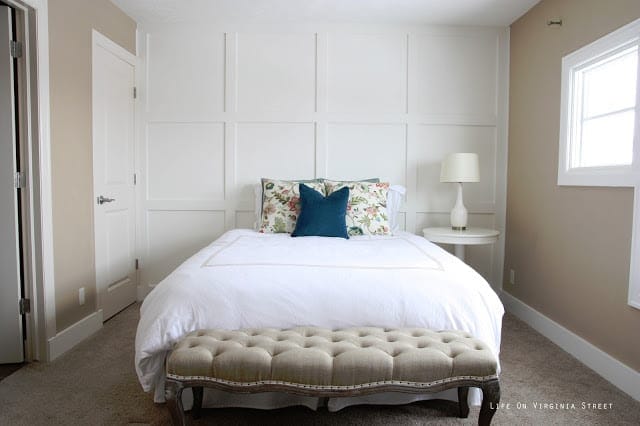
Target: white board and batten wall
221,107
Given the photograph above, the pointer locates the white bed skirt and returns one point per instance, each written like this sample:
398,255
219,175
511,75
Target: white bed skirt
214,398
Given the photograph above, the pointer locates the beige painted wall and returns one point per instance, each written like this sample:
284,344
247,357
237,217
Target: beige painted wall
70,25
569,246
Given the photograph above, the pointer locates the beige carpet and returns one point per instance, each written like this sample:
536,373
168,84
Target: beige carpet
95,384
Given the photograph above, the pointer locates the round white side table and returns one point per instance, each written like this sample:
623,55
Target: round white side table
460,239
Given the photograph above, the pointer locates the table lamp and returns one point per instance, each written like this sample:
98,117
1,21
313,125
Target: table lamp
460,167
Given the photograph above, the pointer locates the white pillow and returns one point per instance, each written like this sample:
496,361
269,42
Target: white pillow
257,207
394,201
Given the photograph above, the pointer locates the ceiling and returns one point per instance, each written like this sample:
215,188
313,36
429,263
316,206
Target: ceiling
435,12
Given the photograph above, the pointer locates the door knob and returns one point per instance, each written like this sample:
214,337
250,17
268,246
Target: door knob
102,200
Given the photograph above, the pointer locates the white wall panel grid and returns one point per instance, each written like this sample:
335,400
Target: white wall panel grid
222,107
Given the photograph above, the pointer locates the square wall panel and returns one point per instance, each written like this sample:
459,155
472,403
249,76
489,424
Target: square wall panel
174,236
186,76
276,72
453,75
273,150
362,151
428,147
367,73
185,161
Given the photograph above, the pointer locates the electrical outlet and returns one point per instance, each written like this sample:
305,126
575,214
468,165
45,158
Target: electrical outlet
81,296
512,277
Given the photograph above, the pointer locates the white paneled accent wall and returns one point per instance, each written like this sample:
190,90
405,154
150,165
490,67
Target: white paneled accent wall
221,107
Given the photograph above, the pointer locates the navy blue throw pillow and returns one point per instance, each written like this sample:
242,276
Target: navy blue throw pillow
322,216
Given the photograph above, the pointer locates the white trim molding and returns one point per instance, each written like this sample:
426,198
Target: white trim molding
99,39
41,8
502,153
74,334
620,375
138,151
634,267
42,291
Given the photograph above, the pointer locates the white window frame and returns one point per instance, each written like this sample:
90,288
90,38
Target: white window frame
634,268
616,41
611,176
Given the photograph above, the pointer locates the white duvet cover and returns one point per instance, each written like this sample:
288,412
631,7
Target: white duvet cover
246,279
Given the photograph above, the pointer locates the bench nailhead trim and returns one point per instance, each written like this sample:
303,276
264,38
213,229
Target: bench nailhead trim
332,387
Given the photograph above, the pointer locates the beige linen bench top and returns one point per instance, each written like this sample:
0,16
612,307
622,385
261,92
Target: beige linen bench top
332,363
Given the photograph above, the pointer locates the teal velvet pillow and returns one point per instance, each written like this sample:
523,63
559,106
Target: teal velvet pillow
322,216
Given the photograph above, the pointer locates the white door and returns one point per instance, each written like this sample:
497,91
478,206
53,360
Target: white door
113,175
11,342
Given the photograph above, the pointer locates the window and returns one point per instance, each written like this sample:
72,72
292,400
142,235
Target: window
599,112
604,106
600,124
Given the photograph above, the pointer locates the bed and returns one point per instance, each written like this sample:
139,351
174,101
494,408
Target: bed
247,279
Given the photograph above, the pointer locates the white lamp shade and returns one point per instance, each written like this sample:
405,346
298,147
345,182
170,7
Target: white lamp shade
460,167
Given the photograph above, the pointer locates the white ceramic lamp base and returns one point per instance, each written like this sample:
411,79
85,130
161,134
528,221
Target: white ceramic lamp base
459,213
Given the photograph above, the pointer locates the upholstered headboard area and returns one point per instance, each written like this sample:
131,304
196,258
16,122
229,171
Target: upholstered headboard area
221,108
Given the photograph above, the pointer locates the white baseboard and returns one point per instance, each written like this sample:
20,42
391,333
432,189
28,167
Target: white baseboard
622,376
74,334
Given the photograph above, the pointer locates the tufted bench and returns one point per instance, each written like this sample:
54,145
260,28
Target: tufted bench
332,363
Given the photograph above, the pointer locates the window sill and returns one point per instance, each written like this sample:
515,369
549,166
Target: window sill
611,177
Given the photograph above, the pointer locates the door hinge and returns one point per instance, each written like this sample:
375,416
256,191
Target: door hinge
18,180
135,92
137,264
25,306
135,179
16,49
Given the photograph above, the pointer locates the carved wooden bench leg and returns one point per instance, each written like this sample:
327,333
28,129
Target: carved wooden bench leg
463,402
173,394
197,401
490,400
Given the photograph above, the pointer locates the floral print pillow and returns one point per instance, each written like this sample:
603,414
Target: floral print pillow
367,207
281,204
